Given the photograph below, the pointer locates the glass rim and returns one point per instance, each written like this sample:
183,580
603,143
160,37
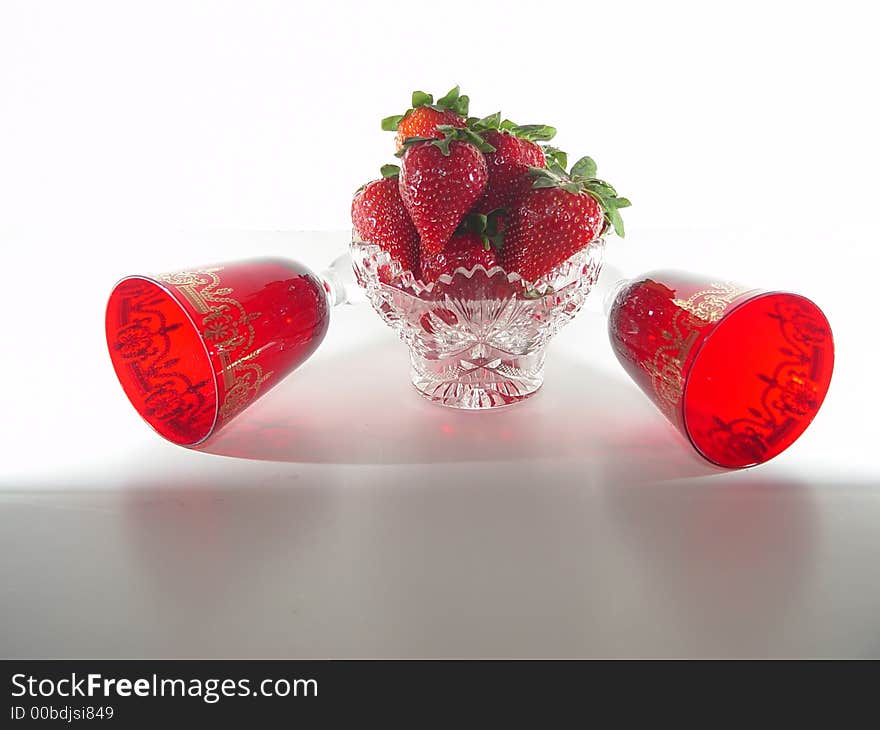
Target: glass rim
751,298
153,280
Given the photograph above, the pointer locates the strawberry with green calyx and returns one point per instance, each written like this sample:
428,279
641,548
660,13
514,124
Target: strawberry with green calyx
448,134
440,181
515,152
560,215
582,179
379,217
425,116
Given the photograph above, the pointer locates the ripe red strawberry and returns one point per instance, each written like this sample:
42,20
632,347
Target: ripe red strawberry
549,225
508,169
463,250
378,216
421,121
561,214
439,183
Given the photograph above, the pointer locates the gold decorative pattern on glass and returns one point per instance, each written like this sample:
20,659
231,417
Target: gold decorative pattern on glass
228,329
710,304
666,367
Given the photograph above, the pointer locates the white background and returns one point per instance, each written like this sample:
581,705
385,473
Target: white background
265,115
150,136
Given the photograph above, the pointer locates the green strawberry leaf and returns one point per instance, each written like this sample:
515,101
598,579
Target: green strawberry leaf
584,167
622,203
533,132
420,98
451,133
389,170
497,241
492,236
452,101
555,156
410,141
546,178
545,182
556,169
477,222
492,220
389,124
486,226
476,140
493,121
443,144
599,186
414,140
615,220
449,100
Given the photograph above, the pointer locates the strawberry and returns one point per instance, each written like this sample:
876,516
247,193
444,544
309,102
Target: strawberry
425,116
515,152
548,226
440,181
465,250
508,169
423,122
561,214
378,216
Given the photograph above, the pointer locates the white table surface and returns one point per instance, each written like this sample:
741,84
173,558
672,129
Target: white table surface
342,516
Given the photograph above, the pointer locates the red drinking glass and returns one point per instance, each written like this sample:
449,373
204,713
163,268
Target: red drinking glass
194,348
740,372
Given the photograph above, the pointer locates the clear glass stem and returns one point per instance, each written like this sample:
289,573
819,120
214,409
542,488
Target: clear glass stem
340,283
610,281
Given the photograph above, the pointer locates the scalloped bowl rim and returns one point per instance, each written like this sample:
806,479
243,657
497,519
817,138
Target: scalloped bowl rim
418,287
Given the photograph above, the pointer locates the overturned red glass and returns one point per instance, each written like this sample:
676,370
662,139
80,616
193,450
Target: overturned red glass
192,349
740,372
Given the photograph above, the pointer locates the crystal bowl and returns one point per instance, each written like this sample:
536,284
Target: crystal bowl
477,337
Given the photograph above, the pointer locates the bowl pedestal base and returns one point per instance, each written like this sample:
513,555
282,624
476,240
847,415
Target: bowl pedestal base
479,379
